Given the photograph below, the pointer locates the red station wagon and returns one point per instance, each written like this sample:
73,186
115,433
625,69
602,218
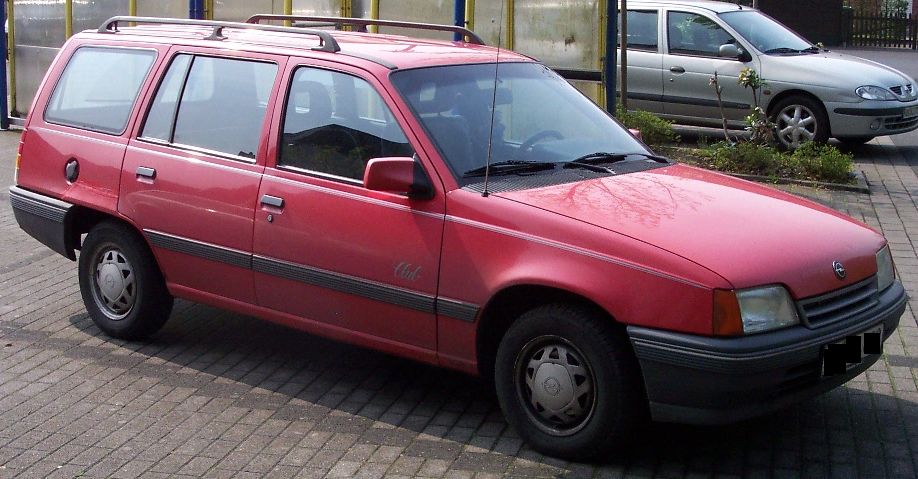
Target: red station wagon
446,202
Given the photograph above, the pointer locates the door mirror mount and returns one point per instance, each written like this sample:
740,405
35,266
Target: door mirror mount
400,175
729,50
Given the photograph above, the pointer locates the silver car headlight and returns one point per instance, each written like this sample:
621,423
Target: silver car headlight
886,273
871,92
766,308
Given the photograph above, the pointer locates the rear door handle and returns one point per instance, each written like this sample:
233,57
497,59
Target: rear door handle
274,201
677,70
146,172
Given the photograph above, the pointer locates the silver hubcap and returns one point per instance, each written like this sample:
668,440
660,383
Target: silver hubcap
556,385
115,288
796,124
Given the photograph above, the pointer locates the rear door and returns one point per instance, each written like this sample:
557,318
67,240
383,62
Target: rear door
191,174
645,61
329,251
692,58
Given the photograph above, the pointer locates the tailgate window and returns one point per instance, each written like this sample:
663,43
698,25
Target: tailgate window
98,88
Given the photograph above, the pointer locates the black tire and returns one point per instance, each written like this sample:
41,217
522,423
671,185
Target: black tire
851,141
597,423
797,119
121,284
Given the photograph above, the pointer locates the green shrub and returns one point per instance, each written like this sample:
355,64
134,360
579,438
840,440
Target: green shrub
811,161
824,162
654,130
744,157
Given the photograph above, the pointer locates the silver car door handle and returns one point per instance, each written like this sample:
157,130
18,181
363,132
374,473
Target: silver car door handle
146,172
274,201
677,70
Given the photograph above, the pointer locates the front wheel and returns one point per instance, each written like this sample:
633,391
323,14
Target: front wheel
799,119
569,383
122,287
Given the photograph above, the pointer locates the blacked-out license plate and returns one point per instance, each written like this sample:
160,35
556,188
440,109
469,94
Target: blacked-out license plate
842,355
910,112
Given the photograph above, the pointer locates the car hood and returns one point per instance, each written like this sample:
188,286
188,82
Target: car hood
830,69
749,234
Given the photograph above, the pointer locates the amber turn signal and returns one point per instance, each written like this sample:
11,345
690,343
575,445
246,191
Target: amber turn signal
727,318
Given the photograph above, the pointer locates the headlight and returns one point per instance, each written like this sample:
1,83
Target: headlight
886,273
764,309
753,310
875,93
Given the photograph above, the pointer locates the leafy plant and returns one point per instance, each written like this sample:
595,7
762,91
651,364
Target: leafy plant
757,122
654,130
824,162
812,161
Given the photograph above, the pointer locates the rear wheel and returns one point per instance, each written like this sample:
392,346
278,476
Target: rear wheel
122,287
799,119
567,380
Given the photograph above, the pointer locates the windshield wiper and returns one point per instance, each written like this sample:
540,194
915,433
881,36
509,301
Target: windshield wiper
813,49
601,157
509,166
784,50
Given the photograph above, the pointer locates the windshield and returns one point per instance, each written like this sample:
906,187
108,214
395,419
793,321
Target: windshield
767,35
539,118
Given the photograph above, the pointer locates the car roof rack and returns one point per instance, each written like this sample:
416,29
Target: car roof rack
362,24
327,42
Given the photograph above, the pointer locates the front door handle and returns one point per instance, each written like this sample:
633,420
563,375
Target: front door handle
146,172
274,201
677,70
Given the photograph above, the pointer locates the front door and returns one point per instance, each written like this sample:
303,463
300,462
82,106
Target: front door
329,251
692,58
191,175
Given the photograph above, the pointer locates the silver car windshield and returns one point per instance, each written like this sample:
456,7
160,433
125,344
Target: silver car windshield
539,118
767,35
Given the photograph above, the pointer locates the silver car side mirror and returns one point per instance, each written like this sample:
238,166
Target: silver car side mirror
729,50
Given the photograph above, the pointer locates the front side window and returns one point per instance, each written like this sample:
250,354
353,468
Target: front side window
98,88
691,34
642,30
334,123
216,104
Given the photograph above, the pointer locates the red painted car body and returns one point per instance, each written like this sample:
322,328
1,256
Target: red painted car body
432,278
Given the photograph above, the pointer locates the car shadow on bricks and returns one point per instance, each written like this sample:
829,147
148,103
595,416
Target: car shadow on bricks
238,368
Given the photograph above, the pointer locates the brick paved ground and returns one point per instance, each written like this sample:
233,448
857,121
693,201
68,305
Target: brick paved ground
216,394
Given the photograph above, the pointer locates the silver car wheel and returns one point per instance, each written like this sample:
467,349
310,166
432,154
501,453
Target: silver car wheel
556,385
795,125
114,287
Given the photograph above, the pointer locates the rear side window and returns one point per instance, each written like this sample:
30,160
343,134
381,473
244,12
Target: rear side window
216,104
98,88
642,30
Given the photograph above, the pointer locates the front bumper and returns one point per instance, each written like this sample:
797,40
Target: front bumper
704,380
872,118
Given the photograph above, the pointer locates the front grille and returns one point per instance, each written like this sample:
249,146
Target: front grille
903,91
900,123
840,304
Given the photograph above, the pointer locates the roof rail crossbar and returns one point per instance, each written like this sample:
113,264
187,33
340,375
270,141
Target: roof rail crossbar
327,43
362,23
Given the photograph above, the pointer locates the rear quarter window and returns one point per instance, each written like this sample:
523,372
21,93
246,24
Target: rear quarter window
98,88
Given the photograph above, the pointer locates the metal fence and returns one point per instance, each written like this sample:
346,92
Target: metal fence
882,30
568,35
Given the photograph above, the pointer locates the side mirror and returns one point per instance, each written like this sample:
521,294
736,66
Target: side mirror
401,175
729,50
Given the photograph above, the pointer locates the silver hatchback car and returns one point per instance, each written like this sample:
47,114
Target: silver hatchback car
674,48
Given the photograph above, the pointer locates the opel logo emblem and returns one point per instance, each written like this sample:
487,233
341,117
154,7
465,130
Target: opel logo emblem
552,386
840,272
